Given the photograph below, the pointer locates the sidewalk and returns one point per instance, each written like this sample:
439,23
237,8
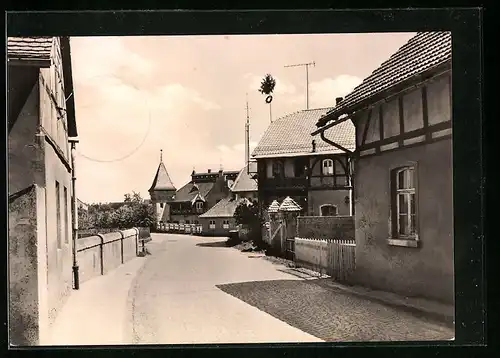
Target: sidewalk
418,306
433,310
97,313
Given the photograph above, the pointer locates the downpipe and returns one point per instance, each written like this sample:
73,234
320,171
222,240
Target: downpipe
76,275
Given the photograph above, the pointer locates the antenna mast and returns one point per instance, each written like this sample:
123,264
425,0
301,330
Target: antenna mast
247,136
306,65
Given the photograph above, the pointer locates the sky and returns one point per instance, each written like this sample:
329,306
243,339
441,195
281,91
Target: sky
186,95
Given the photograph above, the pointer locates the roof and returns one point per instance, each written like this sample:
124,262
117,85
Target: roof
423,52
274,207
291,136
289,205
244,181
224,208
29,48
162,180
186,194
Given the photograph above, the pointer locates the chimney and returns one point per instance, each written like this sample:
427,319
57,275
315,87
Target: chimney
209,171
338,100
313,145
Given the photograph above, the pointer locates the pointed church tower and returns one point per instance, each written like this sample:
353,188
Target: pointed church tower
162,192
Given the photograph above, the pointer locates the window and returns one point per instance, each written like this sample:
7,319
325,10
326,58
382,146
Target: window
211,224
327,167
300,167
161,205
188,222
277,169
58,215
328,210
66,214
225,224
199,205
196,222
404,205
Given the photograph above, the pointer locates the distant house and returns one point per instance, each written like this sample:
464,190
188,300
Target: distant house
199,195
41,118
219,219
315,174
403,170
245,184
82,205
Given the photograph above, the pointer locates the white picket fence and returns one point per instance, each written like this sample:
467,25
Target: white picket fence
336,258
180,228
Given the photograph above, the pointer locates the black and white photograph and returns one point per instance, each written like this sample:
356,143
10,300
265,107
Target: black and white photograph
230,189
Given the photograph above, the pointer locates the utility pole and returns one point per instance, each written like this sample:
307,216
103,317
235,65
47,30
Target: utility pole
306,65
247,136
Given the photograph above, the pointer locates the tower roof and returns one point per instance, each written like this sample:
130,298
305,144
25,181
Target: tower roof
162,180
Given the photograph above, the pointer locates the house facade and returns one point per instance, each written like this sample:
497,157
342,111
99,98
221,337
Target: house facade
403,170
41,118
219,220
314,174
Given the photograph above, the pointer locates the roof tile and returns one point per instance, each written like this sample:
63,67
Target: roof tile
29,48
289,205
421,53
244,181
291,134
162,180
224,208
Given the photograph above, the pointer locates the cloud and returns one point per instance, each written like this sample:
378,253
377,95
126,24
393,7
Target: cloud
324,92
94,60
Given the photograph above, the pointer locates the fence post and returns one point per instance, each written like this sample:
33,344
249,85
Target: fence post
136,241
101,253
121,244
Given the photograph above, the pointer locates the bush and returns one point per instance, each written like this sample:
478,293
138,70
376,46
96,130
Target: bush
134,212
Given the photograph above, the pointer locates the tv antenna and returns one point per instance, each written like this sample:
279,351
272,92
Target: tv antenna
306,65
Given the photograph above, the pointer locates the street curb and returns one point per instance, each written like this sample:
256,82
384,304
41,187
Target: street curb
443,318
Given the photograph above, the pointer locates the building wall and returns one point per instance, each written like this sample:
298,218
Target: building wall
25,153
428,269
316,198
250,195
425,270
219,230
57,162
27,285
181,219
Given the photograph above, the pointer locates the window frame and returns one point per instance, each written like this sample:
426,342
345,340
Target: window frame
278,174
328,205
198,205
58,215
396,238
332,166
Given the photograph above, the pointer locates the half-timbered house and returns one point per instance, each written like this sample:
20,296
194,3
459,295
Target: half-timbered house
315,174
403,169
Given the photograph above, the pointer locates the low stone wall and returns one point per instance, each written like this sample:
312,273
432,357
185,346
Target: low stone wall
99,254
326,227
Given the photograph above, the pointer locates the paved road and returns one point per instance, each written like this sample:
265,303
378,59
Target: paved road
174,298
